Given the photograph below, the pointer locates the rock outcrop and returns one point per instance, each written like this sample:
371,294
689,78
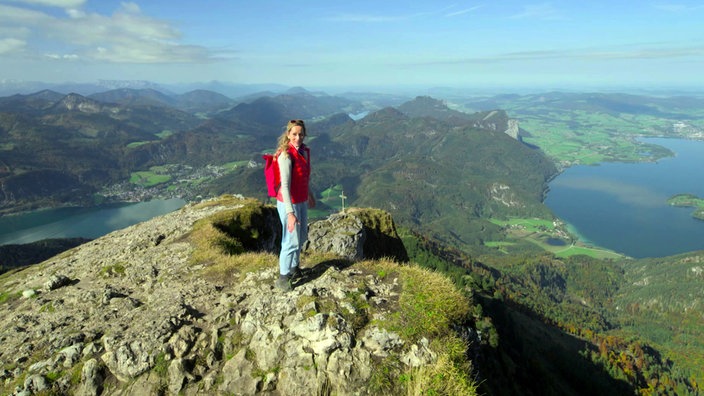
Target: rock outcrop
357,234
185,304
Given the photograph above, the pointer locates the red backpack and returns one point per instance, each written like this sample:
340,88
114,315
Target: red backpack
271,174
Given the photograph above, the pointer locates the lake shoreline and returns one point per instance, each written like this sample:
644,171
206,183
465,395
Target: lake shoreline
80,221
622,206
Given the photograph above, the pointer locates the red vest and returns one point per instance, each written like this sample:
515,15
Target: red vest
300,175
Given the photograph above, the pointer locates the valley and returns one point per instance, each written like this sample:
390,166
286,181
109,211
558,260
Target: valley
465,183
165,182
583,128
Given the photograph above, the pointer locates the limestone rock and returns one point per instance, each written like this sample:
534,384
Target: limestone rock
91,379
139,312
357,234
340,234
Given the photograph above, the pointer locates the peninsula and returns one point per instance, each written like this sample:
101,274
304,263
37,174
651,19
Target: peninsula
689,200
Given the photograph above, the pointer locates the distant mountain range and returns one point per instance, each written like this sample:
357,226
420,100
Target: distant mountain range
440,172
10,87
72,145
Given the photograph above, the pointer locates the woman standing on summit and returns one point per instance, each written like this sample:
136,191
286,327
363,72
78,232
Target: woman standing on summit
293,199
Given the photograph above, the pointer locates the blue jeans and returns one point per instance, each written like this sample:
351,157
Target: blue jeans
292,242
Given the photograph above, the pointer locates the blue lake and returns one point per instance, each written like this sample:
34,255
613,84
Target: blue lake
623,206
619,206
80,222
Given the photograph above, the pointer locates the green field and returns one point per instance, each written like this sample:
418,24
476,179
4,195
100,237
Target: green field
689,200
235,164
329,201
148,178
162,135
575,129
548,235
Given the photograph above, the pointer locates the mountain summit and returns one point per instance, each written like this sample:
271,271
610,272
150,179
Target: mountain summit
185,304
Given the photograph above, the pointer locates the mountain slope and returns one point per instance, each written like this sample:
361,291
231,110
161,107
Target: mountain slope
62,150
185,304
445,178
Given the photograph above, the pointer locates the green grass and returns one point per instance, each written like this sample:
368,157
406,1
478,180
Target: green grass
137,144
161,135
428,305
6,297
594,252
331,197
689,200
222,239
113,270
165,133
584,137
148,178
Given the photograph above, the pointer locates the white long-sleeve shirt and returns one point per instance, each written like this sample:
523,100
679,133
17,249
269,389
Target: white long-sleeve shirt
285,169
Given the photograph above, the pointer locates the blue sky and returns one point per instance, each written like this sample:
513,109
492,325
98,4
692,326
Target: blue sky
314,43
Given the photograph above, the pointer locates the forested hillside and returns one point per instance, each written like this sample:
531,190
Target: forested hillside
455,182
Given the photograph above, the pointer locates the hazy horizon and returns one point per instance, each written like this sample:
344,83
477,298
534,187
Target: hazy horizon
9,88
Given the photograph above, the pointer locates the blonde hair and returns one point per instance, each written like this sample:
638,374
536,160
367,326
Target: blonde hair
283,139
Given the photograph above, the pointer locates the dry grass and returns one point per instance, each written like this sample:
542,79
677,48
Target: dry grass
223,255
428,304
444,377
231,269
224,200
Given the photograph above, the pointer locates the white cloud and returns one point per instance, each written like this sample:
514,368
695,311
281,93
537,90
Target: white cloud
126,36
75,13
9,45
131,7
60,57
55,3
462,12
16,16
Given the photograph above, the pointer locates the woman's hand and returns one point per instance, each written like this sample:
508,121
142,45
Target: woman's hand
311,200
291,222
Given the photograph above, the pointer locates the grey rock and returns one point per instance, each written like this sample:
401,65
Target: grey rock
91,379
36,383
381,341
164,326
238,376
178,376
182,341
340,234
128,359
56,281
357,234
419,355
71,355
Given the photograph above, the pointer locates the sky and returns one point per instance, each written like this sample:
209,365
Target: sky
365,43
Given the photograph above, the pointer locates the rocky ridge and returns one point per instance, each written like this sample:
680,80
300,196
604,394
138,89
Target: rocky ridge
143,311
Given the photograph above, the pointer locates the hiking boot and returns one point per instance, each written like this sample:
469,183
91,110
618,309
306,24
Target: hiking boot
284,283
295,273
